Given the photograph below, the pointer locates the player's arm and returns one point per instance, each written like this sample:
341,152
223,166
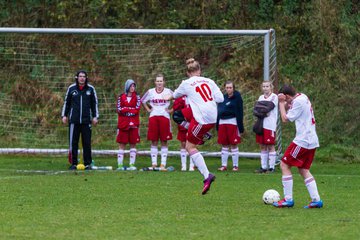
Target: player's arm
240,114
144,101
218,95
66,107
282,105
94,107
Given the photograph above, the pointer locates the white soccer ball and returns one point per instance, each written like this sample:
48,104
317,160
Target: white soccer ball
270,196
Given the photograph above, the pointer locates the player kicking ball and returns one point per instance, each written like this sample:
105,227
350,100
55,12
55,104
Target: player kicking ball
203,95
300,153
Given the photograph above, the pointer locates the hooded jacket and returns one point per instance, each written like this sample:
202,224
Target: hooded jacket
128,111
80,106
231,107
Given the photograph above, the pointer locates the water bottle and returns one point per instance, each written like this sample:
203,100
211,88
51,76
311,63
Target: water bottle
170,169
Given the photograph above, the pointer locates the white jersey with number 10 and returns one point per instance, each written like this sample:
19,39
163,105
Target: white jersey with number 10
202,94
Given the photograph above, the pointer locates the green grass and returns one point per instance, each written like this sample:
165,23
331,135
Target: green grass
158,205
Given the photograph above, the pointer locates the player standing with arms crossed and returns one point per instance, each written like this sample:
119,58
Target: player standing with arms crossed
267,139
300,153
128,108
159,120
203,95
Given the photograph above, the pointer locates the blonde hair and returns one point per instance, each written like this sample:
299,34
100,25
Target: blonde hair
192,65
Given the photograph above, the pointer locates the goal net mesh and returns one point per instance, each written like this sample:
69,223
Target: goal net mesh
37,69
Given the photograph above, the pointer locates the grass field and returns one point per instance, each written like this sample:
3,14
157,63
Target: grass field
59,204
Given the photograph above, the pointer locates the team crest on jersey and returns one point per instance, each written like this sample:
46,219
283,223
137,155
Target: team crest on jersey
88,92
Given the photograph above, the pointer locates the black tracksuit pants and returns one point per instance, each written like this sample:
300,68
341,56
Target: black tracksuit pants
74,134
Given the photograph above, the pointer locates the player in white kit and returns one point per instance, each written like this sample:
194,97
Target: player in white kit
159,120
267,139
301,151
203,95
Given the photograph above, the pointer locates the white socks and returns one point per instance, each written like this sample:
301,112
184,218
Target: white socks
264,155
183,158
154,153
235,156
120,157
224,156
132,156
164,153
272,159
200,163
310,183
287,182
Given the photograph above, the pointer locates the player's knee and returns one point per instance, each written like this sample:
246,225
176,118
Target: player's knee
178,117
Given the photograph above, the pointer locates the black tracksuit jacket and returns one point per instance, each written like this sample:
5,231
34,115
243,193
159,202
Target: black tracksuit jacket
80,106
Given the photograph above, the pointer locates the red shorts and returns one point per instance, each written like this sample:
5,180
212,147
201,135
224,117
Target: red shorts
159,128
298,156
196,132
182,132
228,134
268,137
131,136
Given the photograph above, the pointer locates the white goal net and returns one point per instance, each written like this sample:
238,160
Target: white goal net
39,64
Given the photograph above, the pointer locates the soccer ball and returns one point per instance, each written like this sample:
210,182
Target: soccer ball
270,196
80,166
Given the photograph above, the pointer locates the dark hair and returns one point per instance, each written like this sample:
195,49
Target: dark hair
229,82
288,90
77,76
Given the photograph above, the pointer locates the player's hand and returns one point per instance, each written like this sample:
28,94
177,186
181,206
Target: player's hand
94,121
64,120
281,97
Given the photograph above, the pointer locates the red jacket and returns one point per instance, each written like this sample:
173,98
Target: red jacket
179,104
128,112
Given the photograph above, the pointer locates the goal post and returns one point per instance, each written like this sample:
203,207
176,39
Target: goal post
39,65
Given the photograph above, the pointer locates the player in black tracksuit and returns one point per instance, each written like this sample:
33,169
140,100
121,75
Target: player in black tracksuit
80,110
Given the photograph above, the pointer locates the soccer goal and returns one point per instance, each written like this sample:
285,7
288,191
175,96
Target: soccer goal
39,64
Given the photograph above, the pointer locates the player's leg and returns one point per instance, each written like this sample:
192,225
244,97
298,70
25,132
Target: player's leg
235,157
195,135
269,140
134,138
287,182
224,142
74,136
165,134
86,142
264,155
183,155
120,157
224,157
309,180
234,139
122,139
153,136
164,154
